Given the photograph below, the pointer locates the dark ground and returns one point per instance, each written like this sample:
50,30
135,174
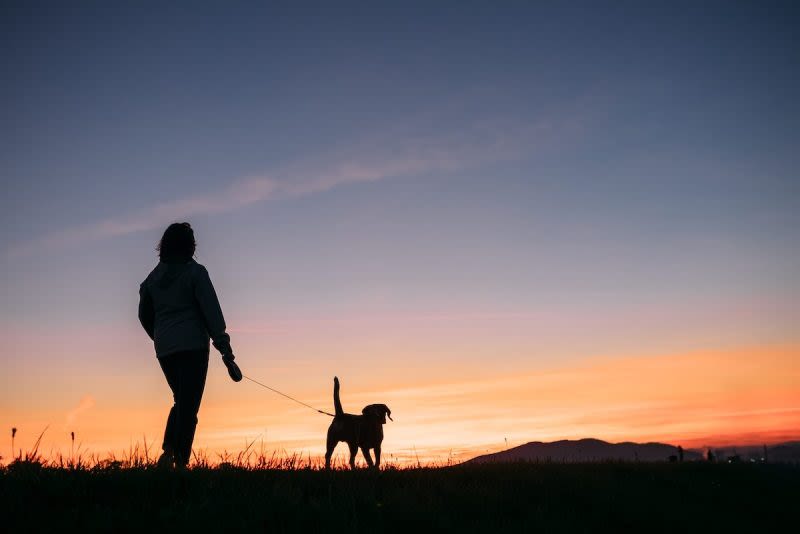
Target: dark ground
612,497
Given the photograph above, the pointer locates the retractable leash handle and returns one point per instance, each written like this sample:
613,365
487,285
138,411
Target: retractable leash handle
233,370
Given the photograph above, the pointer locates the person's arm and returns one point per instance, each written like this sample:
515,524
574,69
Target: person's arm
212,312
147,312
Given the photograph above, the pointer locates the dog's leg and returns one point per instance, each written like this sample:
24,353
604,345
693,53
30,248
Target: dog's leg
367,457
329,450
353,452
378,457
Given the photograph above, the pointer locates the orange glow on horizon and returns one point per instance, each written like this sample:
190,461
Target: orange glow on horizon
742,396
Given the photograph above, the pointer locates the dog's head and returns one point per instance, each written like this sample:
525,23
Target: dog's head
378,411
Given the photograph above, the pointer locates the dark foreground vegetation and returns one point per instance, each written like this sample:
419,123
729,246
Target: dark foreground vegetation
613,497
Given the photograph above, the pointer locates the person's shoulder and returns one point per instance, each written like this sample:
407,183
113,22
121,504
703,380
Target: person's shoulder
150,275
197,269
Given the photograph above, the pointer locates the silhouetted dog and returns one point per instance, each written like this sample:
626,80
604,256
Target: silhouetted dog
363,431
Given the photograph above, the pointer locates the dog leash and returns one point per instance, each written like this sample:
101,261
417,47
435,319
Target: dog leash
323,412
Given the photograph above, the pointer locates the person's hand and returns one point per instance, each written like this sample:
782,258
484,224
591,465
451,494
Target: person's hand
233,370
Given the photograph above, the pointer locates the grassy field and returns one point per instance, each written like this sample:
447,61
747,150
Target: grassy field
472,498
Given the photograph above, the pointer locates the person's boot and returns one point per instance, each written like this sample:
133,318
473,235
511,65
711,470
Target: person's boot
181,463
166,461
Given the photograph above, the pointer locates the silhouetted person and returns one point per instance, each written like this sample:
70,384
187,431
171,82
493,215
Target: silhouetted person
680,453
710,456
179,310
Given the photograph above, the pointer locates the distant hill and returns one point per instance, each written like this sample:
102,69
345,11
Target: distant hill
586,450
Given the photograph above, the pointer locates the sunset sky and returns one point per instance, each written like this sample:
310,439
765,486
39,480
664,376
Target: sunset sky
509,221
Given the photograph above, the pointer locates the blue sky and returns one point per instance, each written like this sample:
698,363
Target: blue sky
660,125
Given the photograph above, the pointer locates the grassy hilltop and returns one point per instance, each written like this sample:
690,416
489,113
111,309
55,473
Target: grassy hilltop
469,498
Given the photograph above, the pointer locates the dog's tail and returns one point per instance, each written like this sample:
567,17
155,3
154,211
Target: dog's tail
337,404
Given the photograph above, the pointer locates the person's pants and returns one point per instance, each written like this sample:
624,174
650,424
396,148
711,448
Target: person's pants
186,374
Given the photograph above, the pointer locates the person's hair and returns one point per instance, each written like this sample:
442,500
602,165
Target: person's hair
177,243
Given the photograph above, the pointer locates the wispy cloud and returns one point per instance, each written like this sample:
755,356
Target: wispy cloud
379,158
86,403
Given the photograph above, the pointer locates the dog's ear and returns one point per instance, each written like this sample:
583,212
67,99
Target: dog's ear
379,411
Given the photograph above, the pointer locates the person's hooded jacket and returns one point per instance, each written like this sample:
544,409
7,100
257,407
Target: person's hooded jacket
179,309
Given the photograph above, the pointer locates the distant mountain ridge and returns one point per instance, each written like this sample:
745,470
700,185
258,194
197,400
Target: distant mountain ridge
586,450
596,450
